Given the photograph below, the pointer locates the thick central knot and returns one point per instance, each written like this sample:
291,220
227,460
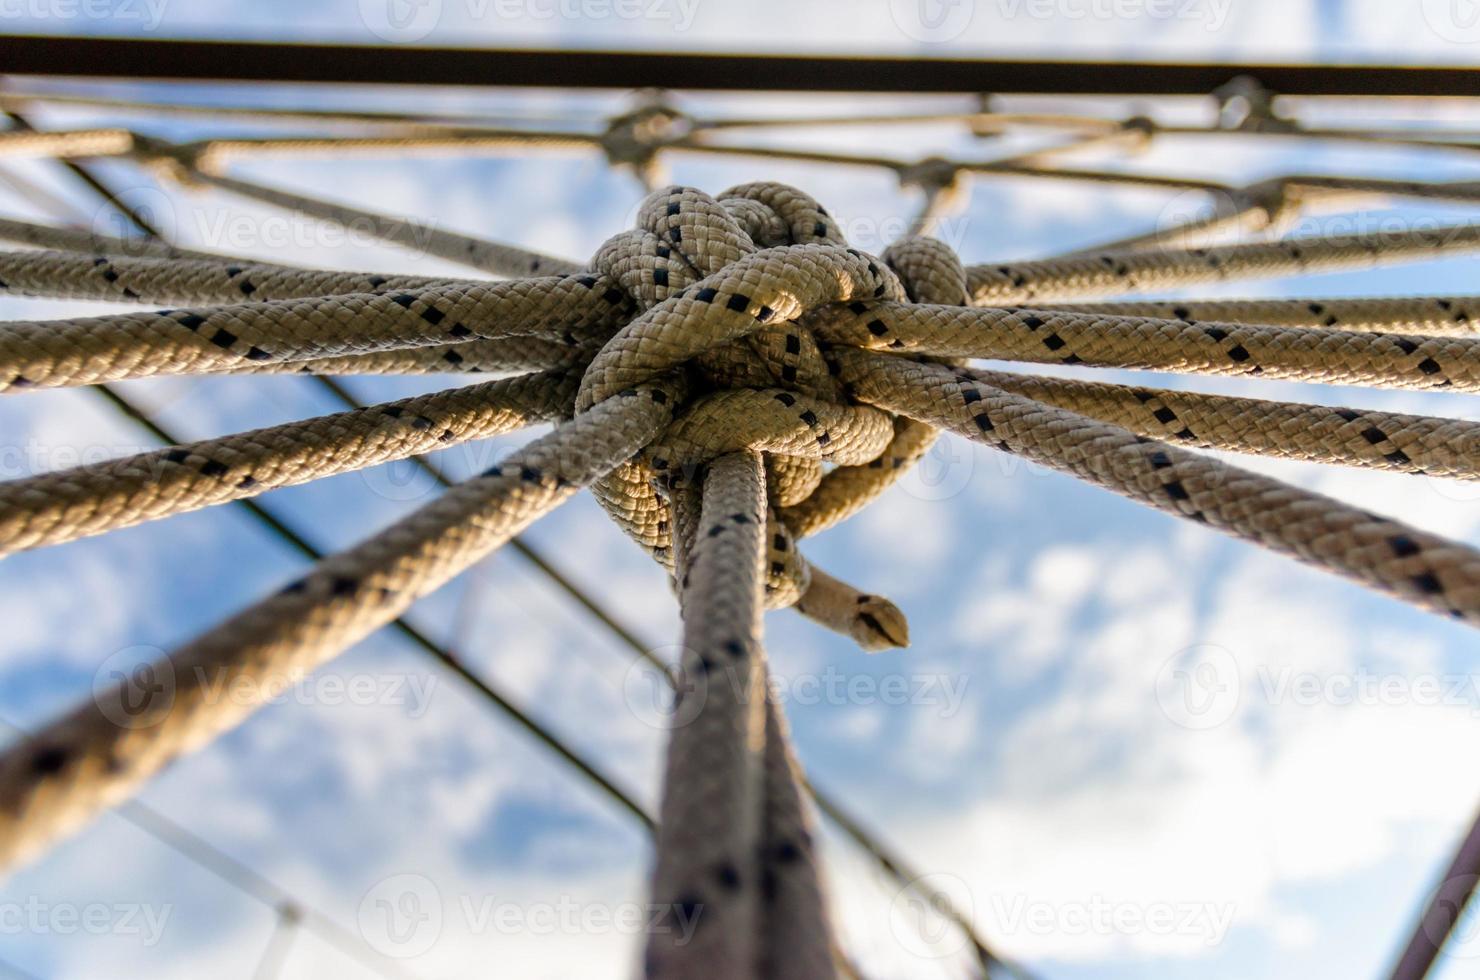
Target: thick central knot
729,293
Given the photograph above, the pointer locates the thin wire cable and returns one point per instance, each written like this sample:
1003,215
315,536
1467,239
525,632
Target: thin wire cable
1442,913
835,812
1300,261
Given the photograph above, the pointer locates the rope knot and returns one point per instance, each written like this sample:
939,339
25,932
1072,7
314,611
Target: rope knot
739,294
177,163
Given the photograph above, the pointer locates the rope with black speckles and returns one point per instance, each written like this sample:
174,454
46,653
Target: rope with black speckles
733,346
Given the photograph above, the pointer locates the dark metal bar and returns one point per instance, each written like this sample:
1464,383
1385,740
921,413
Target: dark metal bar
255,61
989,962
448,659
93,183
270,521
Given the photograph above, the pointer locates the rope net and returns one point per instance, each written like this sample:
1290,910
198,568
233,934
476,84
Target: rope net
727,378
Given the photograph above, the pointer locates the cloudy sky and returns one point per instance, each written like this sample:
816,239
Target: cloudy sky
1063,763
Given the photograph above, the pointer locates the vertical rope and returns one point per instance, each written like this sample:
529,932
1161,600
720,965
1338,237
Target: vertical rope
735,852
709,823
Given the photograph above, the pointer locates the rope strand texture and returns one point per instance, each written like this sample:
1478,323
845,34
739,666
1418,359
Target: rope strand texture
1109,273
730,346
1053,337
734,843
92,758
70,275
1439,316
62,353
492,257
1384,554
56,507
1315,433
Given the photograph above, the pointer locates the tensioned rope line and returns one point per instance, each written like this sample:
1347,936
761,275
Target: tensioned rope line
984,119
245,287
157,826
271,521
749,333
575,309
890,862
250,883
637,138
1240,340
1436,446
153,244
734,848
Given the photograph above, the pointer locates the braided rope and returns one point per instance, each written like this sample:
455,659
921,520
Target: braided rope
491,257
709,822
75,240
734,844
55,507
64,773
31,143
1109,273
74,275
89,350
1329,356
1314,433
717,360
212,155
504,356
1384,554
1440,316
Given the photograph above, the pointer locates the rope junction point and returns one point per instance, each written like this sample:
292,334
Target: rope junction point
727,378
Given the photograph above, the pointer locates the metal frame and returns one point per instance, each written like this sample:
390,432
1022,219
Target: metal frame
259,61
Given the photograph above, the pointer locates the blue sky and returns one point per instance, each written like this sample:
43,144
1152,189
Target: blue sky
1040,769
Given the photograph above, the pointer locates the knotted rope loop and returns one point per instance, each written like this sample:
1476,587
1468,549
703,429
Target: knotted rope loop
177,163
730,291
633,139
